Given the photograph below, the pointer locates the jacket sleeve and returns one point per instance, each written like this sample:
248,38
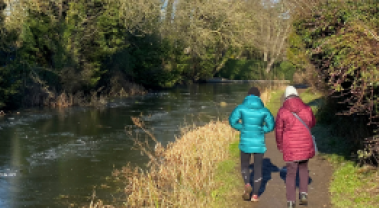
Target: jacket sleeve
234,119
269,122
279,130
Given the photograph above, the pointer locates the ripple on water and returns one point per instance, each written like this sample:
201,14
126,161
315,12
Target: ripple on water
154,116
23,120
117,104
82,147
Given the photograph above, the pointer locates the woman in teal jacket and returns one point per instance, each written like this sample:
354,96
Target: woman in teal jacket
253,120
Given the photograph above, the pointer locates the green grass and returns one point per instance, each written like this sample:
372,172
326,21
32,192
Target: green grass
274,103
227,177
349,188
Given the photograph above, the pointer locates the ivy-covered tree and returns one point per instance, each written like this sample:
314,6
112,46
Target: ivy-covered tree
9,79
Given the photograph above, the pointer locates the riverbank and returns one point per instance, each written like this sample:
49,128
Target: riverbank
95,98
201,169
184,173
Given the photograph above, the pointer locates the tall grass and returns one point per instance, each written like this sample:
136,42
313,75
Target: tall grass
182,174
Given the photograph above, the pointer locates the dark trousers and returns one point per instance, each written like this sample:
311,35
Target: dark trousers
245,163
292,168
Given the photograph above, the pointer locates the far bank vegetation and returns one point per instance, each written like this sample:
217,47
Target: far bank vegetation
71,52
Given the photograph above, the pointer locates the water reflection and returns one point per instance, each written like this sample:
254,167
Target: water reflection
62,153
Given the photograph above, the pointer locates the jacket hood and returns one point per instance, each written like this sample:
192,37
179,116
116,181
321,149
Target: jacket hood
294,104
253,102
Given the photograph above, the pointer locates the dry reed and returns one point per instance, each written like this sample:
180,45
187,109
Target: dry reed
37,97
180,174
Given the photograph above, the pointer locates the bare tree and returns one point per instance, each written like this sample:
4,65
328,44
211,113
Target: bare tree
201,24
274,27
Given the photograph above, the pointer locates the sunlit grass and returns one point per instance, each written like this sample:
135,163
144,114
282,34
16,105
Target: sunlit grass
274,103
351,185
227,178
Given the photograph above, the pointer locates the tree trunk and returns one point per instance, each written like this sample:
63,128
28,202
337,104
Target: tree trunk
278,50
269,65
224,59
266,47
169,11
223,62
60,10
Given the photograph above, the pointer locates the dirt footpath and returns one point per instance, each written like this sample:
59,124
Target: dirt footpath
273,191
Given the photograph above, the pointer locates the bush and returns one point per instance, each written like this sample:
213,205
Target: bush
255,70
340,41
288,69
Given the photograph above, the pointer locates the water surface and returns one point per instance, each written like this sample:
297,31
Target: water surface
55,157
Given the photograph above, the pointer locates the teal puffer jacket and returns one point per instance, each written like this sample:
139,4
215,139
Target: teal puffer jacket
256,121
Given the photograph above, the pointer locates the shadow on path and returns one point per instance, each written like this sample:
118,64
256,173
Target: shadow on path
268,169
283,175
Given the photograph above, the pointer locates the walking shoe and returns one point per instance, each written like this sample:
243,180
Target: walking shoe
254,198
247,192
291,204
303,198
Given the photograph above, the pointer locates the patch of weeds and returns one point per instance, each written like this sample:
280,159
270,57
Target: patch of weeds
314,100
349,186
310,98
274,104
234,151
226,177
